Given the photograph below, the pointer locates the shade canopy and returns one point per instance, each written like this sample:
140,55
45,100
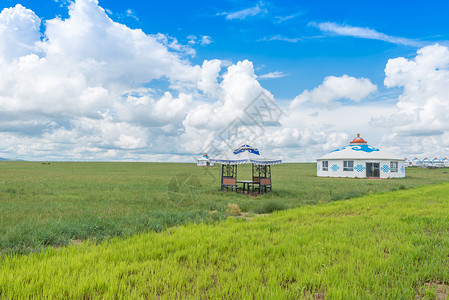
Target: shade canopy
244,154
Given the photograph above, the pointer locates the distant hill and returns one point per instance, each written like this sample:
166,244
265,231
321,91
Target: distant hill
6,159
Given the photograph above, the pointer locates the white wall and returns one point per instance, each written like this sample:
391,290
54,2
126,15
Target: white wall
201,163
336,169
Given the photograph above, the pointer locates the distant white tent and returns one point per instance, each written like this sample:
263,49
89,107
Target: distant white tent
438,163
407,162
426,163
204,161
445,162
416,162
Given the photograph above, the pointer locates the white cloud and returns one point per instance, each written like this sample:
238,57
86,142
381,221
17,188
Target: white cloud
208,82
192,39
131,14
280,19
19,32
237,89
83,84
279,37
206,40
272,75
423,107
203,41
245,13
365,33
335,88
91,90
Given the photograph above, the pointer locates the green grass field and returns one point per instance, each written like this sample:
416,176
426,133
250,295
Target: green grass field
61,203
389,246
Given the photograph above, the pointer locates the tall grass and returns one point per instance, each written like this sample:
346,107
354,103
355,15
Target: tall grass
53,204
389,246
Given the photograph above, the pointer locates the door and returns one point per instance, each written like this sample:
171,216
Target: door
372,170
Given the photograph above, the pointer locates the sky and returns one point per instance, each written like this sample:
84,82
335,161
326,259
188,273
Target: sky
107,80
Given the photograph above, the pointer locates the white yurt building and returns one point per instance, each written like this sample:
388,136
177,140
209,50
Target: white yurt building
426,163
416,162
360,160
445,162
204,161
407,162
438,163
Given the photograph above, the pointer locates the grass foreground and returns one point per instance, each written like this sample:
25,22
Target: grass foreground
58,203
388,246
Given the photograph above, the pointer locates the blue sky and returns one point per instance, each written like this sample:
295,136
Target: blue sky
281,35
318,60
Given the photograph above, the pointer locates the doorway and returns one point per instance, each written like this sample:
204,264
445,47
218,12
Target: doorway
372,170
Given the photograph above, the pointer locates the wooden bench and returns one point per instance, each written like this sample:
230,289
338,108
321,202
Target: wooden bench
264,184
229,183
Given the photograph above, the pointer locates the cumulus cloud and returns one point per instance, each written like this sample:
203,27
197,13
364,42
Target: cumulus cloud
423,107
83,89
335,88
236,90
89,88
85,78
19,32
365,33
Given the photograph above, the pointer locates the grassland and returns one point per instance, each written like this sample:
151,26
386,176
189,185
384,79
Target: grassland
388,246
61,203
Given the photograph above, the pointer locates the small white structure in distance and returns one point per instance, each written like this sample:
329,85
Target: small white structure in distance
437,163
407,162
416,162
360,160
204,161
425,163
445,162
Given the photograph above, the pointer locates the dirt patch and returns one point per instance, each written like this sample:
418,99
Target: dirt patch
233,210
437,289
313,295
76,242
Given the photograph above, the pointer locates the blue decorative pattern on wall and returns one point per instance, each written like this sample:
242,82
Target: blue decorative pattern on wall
402,169
318,167
364,148
385,168
335,168
359,168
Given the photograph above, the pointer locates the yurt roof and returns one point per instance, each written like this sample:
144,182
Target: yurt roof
245,154
204,157
359,149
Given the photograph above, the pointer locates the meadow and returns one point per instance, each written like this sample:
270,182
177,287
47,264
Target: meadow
393,245
61,203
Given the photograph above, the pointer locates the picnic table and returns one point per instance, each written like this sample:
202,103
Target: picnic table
247,184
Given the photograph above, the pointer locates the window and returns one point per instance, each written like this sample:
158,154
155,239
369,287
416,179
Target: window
325,165
394,166
348,165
